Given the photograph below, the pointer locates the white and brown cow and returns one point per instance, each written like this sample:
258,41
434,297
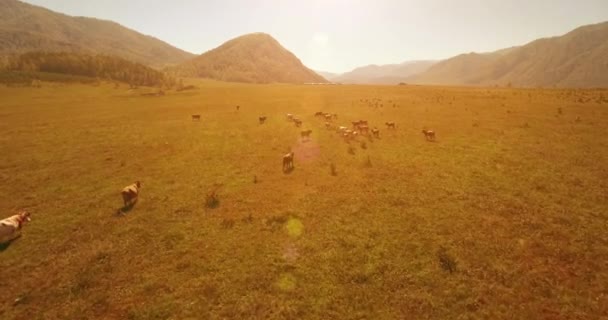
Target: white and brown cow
376,132
10,228
288,162
130,194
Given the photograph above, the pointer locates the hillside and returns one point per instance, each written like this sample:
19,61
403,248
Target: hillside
253,58
383,74
24,28
577,59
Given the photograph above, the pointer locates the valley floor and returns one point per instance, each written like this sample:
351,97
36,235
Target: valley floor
503,217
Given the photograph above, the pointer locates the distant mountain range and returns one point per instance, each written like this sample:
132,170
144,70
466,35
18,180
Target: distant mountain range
24,28
381,74
256,57
577,59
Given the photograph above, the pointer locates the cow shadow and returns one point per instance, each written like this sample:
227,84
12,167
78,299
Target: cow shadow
125,209
5,245
288,170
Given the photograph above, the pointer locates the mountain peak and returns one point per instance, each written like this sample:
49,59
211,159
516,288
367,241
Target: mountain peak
255,57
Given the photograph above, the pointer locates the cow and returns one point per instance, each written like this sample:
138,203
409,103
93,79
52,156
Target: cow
376,132
429,134
319,114
390,125
335,116
238,108
288,161
10,228
262,119
328,125
328,117
364,129
289,117
297,122
130,194
306,133
196,117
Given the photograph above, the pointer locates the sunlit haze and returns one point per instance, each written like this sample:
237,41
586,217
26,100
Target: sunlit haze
338,35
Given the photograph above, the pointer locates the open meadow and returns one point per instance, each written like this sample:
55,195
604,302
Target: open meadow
504,216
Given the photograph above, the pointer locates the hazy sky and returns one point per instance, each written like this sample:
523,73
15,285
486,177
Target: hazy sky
338,35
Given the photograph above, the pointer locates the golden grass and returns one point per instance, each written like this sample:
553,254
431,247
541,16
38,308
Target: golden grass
504,217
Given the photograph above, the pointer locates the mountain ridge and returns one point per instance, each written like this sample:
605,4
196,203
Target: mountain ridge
578,58
25,27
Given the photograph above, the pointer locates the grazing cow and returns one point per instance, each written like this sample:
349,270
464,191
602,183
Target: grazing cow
319,114
306,133
196,117
429,134
328,117
328,125
10,228
288,161
262,119
390,125
364,129
376,132
289,117
130,194
297,122
335,116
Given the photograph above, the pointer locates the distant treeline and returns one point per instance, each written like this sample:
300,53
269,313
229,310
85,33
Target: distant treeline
85,65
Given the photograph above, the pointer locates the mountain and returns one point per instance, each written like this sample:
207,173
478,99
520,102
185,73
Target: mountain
383,74
254,58
576,59
327,75
25,27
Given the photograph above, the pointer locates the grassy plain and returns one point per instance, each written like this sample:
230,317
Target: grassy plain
514,195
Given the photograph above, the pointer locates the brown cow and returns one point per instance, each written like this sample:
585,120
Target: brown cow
297,122
196,117
306,133
262,119
390,125
429,134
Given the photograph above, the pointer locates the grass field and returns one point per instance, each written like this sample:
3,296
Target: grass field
505,216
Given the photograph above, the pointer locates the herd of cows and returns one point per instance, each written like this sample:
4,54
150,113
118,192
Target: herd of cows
358,128
10,228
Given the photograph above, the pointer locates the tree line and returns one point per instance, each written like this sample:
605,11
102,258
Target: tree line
86,65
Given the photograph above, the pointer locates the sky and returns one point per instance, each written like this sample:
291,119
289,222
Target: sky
339,35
